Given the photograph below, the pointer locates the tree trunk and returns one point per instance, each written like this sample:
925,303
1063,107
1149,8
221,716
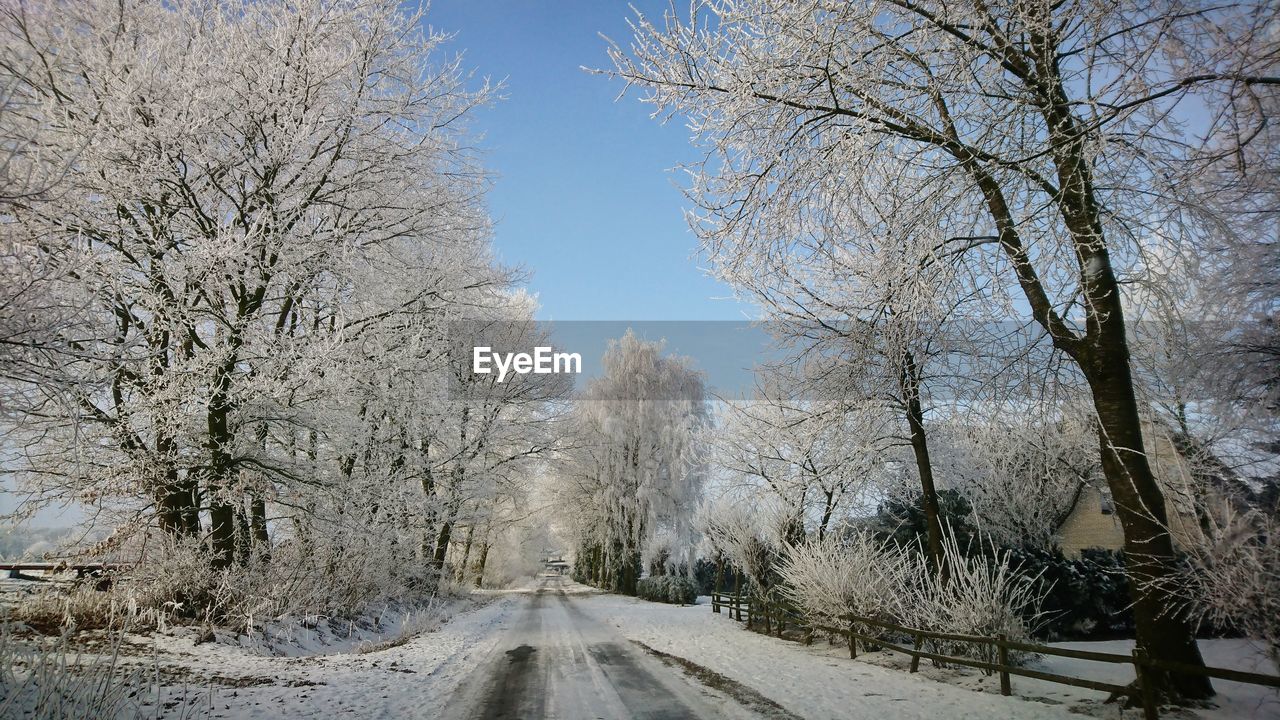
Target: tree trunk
442,545
1150,558
466,555
173,499
222,514
222,534
484,557
243,544
258,522
1103,354
910,385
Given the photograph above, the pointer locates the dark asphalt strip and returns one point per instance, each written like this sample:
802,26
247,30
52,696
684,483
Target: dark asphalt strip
644,696
513,691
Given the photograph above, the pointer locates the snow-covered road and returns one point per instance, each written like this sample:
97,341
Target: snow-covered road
556,661
532,652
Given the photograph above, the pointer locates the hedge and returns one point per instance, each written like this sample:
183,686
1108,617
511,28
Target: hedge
675,589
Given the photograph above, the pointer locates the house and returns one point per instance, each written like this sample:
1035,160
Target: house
1092,521
555,564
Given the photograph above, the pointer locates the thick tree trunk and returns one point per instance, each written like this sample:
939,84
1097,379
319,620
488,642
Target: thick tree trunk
632,576
243,544
222,514
220,439
173,498
191,508
1150,557
222,534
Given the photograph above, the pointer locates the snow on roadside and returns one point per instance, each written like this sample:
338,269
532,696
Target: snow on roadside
819,681
813,682
414,678
379,626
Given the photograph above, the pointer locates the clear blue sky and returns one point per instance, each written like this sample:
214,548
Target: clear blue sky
585,198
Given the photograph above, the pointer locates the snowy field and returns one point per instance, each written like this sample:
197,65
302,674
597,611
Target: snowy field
447,662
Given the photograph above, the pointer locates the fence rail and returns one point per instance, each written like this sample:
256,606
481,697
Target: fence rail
1142,691
15,570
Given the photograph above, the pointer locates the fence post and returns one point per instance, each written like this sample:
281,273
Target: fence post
915,656
715,602
1146,688
737,595
1003,654
853,642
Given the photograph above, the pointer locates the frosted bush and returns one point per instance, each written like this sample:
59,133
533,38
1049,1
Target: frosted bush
335,577
659,552
857,575
981,595
174,580
1234,578
747,538
674,589
860,575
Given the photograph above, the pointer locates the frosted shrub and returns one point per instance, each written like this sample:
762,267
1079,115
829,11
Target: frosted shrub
175,580
674,589
743,537
857,575
984,596
1234,579
338,576
659,552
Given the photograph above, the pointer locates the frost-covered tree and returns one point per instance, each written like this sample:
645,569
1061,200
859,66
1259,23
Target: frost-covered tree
486,435
1021,472
635,465
267,222
1049,144
815,458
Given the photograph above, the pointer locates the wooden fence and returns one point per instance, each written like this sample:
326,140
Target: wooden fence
738,606
997,652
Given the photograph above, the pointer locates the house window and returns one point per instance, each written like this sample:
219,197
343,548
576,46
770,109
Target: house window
1108,507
